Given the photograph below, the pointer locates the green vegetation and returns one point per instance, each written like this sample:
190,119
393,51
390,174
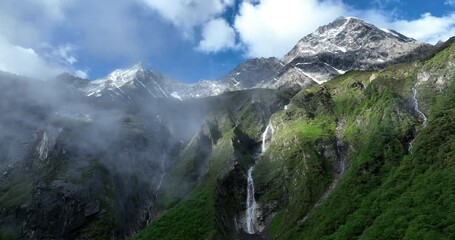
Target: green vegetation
101,228
387,192
389,195
190,219
188,198
7,236
16,192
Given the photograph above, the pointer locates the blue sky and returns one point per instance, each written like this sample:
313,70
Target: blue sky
188,40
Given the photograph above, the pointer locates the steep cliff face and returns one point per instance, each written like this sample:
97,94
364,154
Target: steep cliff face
74,168
215,163
68,186
371,117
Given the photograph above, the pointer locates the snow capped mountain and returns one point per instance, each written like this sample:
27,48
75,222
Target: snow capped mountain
134,81
350,34
253,73
346,44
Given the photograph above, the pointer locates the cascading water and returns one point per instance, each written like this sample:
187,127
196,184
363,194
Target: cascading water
163,172
422,116
250,215
158,185
416,106
250,203
266,136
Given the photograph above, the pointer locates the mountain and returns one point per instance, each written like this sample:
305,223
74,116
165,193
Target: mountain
347,44
253,73
132,82
366,155
136,81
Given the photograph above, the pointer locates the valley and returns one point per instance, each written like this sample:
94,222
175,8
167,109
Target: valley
337,140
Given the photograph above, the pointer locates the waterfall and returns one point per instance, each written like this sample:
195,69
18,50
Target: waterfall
163,172
150,213
417,110
416,106
266,136
250,215
250,203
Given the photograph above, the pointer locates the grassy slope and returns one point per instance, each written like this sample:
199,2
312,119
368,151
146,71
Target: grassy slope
190,219
387,193
399,197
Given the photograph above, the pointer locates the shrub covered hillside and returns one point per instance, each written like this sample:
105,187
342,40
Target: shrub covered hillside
367,155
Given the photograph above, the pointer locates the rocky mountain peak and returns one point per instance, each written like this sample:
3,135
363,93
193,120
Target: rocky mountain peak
350,34
252,72
346,44
135,78
123,76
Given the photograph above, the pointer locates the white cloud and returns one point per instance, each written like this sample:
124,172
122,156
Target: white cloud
63,55
53,9
217,35
81,73
427,28
29,21
25,28
273,27
112,30
25,61
100,28
188,13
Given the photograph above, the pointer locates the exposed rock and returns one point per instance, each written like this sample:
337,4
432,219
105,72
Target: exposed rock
350,44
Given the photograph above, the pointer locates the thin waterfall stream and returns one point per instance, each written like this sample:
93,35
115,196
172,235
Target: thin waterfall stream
422,116
250,203
158,186
250,215
416,106
163,172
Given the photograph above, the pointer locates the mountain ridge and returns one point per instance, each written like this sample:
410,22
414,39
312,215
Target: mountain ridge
346,44
367,155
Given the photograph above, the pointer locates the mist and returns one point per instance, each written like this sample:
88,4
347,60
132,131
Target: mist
90,151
